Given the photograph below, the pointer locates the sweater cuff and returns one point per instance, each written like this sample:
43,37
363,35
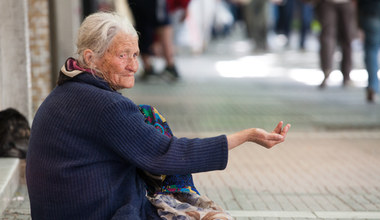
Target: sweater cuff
220,154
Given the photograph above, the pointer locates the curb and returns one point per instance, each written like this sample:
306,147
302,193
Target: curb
9,180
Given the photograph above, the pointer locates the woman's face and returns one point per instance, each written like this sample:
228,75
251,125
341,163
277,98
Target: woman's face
119,63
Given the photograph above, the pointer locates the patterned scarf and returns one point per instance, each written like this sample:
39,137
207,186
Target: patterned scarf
170,183
71,68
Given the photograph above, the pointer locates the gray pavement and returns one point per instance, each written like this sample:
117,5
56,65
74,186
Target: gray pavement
329,166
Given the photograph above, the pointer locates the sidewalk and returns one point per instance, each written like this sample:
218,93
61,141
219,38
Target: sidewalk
329,166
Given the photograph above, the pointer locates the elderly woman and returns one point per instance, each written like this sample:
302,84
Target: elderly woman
88,142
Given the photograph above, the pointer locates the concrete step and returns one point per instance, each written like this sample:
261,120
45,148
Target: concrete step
9,180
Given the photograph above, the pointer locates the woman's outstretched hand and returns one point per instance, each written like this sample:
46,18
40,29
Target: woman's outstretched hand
259,136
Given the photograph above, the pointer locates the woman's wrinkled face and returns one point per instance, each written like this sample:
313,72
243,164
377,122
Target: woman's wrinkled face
119,63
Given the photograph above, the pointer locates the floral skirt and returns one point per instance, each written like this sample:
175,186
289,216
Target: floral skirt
187,206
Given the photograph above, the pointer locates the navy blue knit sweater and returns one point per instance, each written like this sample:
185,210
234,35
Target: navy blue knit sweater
86,144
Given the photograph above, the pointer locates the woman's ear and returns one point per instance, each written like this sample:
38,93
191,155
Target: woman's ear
88,56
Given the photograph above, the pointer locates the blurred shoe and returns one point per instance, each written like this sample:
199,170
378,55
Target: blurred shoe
323,84
302,47
171,73
146,74
371,95
347,82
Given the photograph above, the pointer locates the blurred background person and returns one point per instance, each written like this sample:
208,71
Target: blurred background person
178,12
306,15
284,18
337,19
152,21
255,15
91,6
287,11
226,14
369,22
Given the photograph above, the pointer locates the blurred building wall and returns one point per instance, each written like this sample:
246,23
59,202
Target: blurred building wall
36,37
65,19
39,37
15,73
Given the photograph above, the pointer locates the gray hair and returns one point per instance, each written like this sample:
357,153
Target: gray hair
97,31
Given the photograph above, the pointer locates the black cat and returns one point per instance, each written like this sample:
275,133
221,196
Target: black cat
14,134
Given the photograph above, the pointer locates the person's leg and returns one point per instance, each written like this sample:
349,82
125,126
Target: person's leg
260,24
346,27
279,25
144,24
327,18
248,19
306,12
164,32
371,28
289,8
145,44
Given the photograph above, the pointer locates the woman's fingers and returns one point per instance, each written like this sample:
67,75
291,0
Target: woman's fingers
278,128
285,130
279,133
275,137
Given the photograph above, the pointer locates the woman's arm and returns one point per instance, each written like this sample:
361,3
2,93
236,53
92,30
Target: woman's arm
259,136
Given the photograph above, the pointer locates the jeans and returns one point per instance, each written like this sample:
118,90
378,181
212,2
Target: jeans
371,28
306,16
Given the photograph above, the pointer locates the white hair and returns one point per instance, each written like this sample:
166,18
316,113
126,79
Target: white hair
97,31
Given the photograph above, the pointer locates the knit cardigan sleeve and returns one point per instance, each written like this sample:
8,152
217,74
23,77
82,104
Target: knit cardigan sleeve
123,129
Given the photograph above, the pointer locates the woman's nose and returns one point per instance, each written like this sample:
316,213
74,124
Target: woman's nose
132,66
